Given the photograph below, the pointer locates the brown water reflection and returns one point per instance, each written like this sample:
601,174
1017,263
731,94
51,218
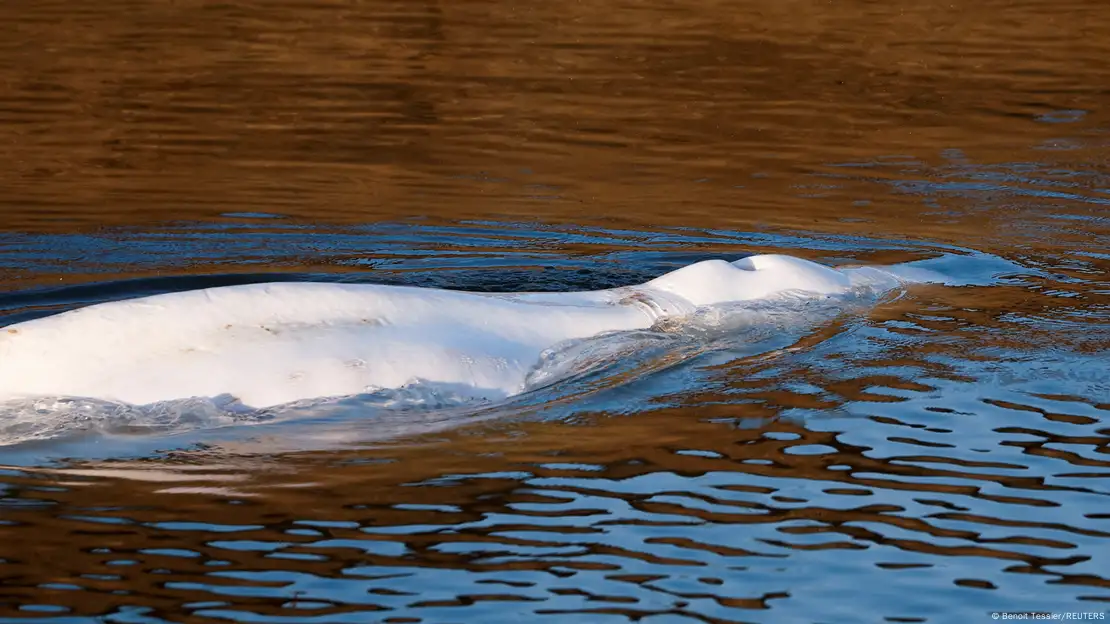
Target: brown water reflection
650,113
937,458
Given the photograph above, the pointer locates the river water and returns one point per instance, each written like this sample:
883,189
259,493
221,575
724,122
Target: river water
935,457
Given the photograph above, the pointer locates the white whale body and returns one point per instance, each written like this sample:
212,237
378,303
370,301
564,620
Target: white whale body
270,344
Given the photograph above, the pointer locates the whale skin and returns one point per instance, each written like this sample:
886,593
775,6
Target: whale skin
272,343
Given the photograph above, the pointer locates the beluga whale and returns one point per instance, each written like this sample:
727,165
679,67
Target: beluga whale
269,344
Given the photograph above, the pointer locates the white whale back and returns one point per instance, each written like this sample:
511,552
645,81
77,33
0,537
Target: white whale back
755,277
268,344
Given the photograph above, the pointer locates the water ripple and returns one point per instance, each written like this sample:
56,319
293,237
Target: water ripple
933,457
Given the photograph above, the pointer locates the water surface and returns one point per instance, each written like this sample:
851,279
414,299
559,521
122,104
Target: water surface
934,456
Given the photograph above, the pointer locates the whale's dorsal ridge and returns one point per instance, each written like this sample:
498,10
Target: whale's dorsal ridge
753,277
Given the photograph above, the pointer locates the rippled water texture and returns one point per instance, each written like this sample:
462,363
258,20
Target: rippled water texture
931,456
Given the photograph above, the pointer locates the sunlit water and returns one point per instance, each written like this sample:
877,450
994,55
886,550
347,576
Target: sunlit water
934,454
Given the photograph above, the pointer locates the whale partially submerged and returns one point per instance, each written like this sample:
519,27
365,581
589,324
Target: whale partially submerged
273,343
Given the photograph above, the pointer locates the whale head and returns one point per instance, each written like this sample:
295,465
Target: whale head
759,277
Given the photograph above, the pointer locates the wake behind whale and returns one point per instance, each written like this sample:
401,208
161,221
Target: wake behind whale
249,353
